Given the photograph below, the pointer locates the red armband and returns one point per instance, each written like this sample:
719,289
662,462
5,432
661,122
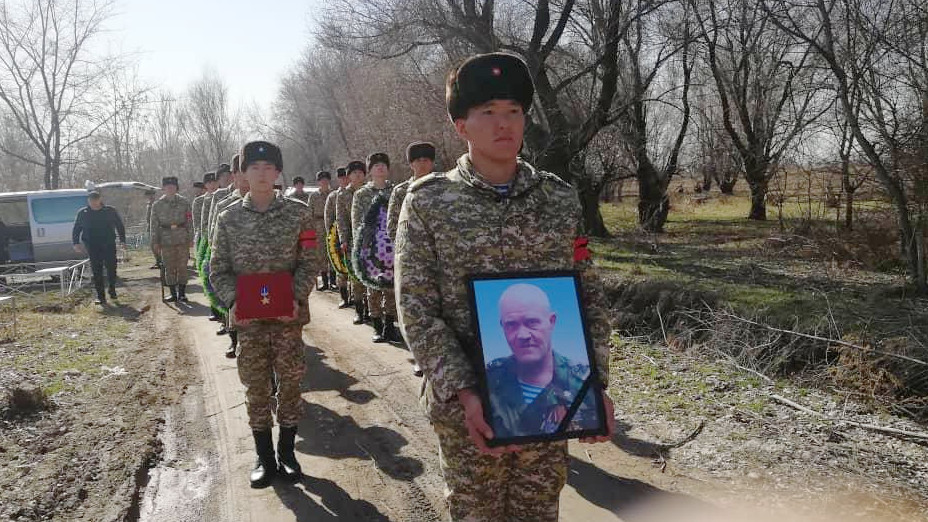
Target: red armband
189,216
581,250
308,239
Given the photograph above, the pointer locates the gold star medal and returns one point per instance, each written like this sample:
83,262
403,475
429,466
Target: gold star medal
265,295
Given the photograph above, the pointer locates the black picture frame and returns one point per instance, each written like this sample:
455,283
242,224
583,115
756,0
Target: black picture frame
497,390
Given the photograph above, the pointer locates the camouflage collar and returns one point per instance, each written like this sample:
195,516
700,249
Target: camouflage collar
276,203
524,181
370,185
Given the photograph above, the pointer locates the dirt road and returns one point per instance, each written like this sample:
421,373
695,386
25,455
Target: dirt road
366,449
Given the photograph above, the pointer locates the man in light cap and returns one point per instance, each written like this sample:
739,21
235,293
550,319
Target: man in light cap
491,213
171,236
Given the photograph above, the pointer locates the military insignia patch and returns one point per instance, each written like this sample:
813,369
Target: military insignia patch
265,295
308,239
582,250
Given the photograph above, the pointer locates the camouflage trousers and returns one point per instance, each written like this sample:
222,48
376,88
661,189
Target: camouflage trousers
263,352
381,303
356,290
517,487
174,258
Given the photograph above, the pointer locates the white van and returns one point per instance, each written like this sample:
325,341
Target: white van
39,223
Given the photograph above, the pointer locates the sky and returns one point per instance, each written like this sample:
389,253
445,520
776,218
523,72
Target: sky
251,44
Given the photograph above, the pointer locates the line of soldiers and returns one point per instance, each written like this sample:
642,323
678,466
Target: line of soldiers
492,213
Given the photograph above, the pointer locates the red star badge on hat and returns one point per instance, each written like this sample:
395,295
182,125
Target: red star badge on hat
496,71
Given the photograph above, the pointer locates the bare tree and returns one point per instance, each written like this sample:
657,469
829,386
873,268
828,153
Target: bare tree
210,126
767,89
877,50
48,75
567,69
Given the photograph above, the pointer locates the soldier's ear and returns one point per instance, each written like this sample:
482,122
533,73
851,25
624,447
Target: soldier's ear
553,318
460,126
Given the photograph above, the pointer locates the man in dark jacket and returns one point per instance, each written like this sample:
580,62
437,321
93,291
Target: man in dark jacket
97,226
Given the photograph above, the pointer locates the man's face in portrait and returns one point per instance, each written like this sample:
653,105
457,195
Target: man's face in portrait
527,320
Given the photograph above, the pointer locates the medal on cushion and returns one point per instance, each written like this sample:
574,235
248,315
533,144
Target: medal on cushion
265,295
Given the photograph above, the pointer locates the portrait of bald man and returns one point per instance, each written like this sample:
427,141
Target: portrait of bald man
532,389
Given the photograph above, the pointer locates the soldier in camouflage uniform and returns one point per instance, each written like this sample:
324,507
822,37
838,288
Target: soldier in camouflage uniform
210,184
491,213
299,192
239,188
341,280
381,304
532,390
421,158
343,206
316,203
171,236
266,232
223,180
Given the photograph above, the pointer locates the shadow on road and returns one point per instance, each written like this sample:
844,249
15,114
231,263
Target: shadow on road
627,498
335,504
327,434
319,376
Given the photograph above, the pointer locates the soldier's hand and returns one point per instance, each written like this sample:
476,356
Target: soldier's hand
477,428
610,422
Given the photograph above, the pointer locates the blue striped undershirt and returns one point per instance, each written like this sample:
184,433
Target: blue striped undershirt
529,392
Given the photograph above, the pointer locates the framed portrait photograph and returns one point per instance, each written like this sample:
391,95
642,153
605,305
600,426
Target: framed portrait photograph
539,378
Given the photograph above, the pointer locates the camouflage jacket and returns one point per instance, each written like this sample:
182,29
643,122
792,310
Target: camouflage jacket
330,208
171,221
317,206
197,210
455,224
225,203
207,219
513,418
396,203
362,201
301,196
343,206
247,241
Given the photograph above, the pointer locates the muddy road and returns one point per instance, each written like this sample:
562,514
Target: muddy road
367,451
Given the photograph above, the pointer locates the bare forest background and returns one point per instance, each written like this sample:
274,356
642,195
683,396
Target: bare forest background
633,98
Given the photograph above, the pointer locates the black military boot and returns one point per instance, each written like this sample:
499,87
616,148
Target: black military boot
222,329
173,298
230,351
214,314
182,293
101,299
113,292
288,465
366,315
266,465
344,293
378,331
358,313
391,332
